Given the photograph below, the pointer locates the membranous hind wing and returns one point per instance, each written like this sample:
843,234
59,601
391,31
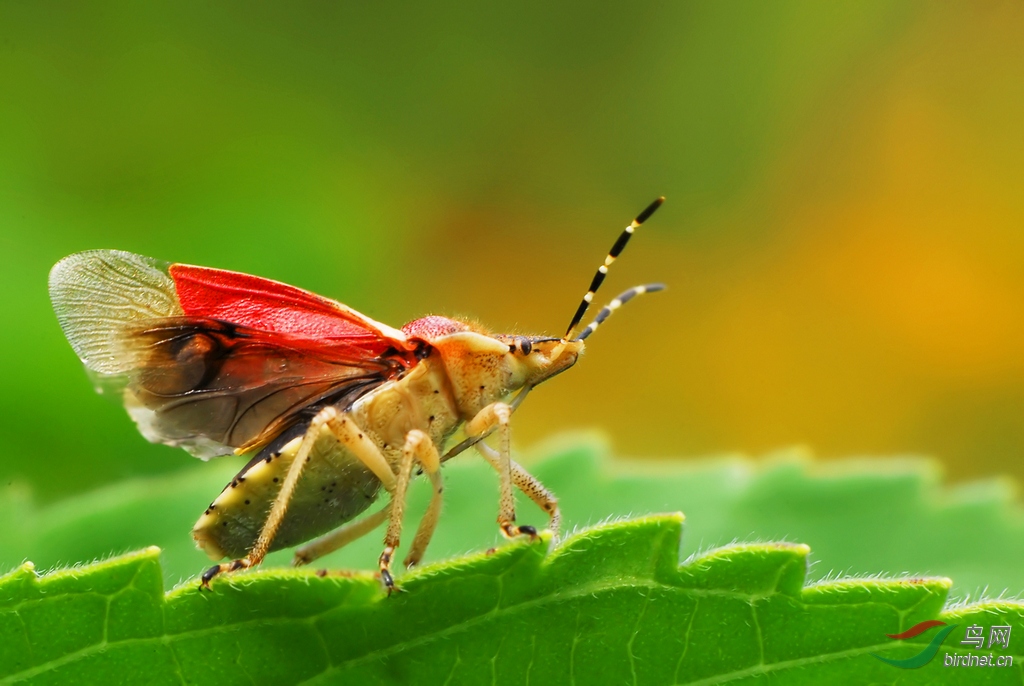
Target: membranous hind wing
211,360
213,387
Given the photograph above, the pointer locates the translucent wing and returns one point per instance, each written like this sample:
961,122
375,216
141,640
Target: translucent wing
212,360
98,294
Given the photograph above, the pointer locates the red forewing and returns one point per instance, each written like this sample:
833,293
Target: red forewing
213,360
276,307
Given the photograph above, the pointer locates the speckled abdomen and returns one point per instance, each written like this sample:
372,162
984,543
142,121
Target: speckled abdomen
334,488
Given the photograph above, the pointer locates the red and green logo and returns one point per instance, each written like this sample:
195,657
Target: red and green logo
929,651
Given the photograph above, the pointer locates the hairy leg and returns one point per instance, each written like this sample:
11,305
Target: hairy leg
418,448
281,502
349,435
340,537
430,460
528,484
498,415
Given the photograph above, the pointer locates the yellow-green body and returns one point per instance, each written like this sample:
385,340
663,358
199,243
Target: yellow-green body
463,373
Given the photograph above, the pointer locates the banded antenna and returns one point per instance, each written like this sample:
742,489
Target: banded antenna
624,298
602,272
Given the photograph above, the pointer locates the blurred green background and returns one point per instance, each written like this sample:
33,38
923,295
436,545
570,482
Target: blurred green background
842,239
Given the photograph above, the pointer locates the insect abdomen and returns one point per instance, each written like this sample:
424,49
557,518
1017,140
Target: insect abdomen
335,487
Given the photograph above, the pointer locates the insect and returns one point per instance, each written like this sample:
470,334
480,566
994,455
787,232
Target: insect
333,406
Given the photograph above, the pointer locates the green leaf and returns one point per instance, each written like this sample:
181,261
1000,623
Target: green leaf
859,516
609,605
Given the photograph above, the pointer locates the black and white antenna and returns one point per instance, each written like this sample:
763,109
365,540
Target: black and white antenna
602,272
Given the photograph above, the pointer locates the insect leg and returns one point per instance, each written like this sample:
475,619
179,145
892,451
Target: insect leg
353,438
340,537
394,532
528,484
498,414
428,457
280,506
365,450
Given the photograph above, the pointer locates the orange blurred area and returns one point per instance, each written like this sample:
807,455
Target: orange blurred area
842,238
878,307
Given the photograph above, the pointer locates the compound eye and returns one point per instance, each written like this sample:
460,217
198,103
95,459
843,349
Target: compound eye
527,346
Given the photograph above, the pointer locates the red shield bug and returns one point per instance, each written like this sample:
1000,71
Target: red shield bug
333,406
